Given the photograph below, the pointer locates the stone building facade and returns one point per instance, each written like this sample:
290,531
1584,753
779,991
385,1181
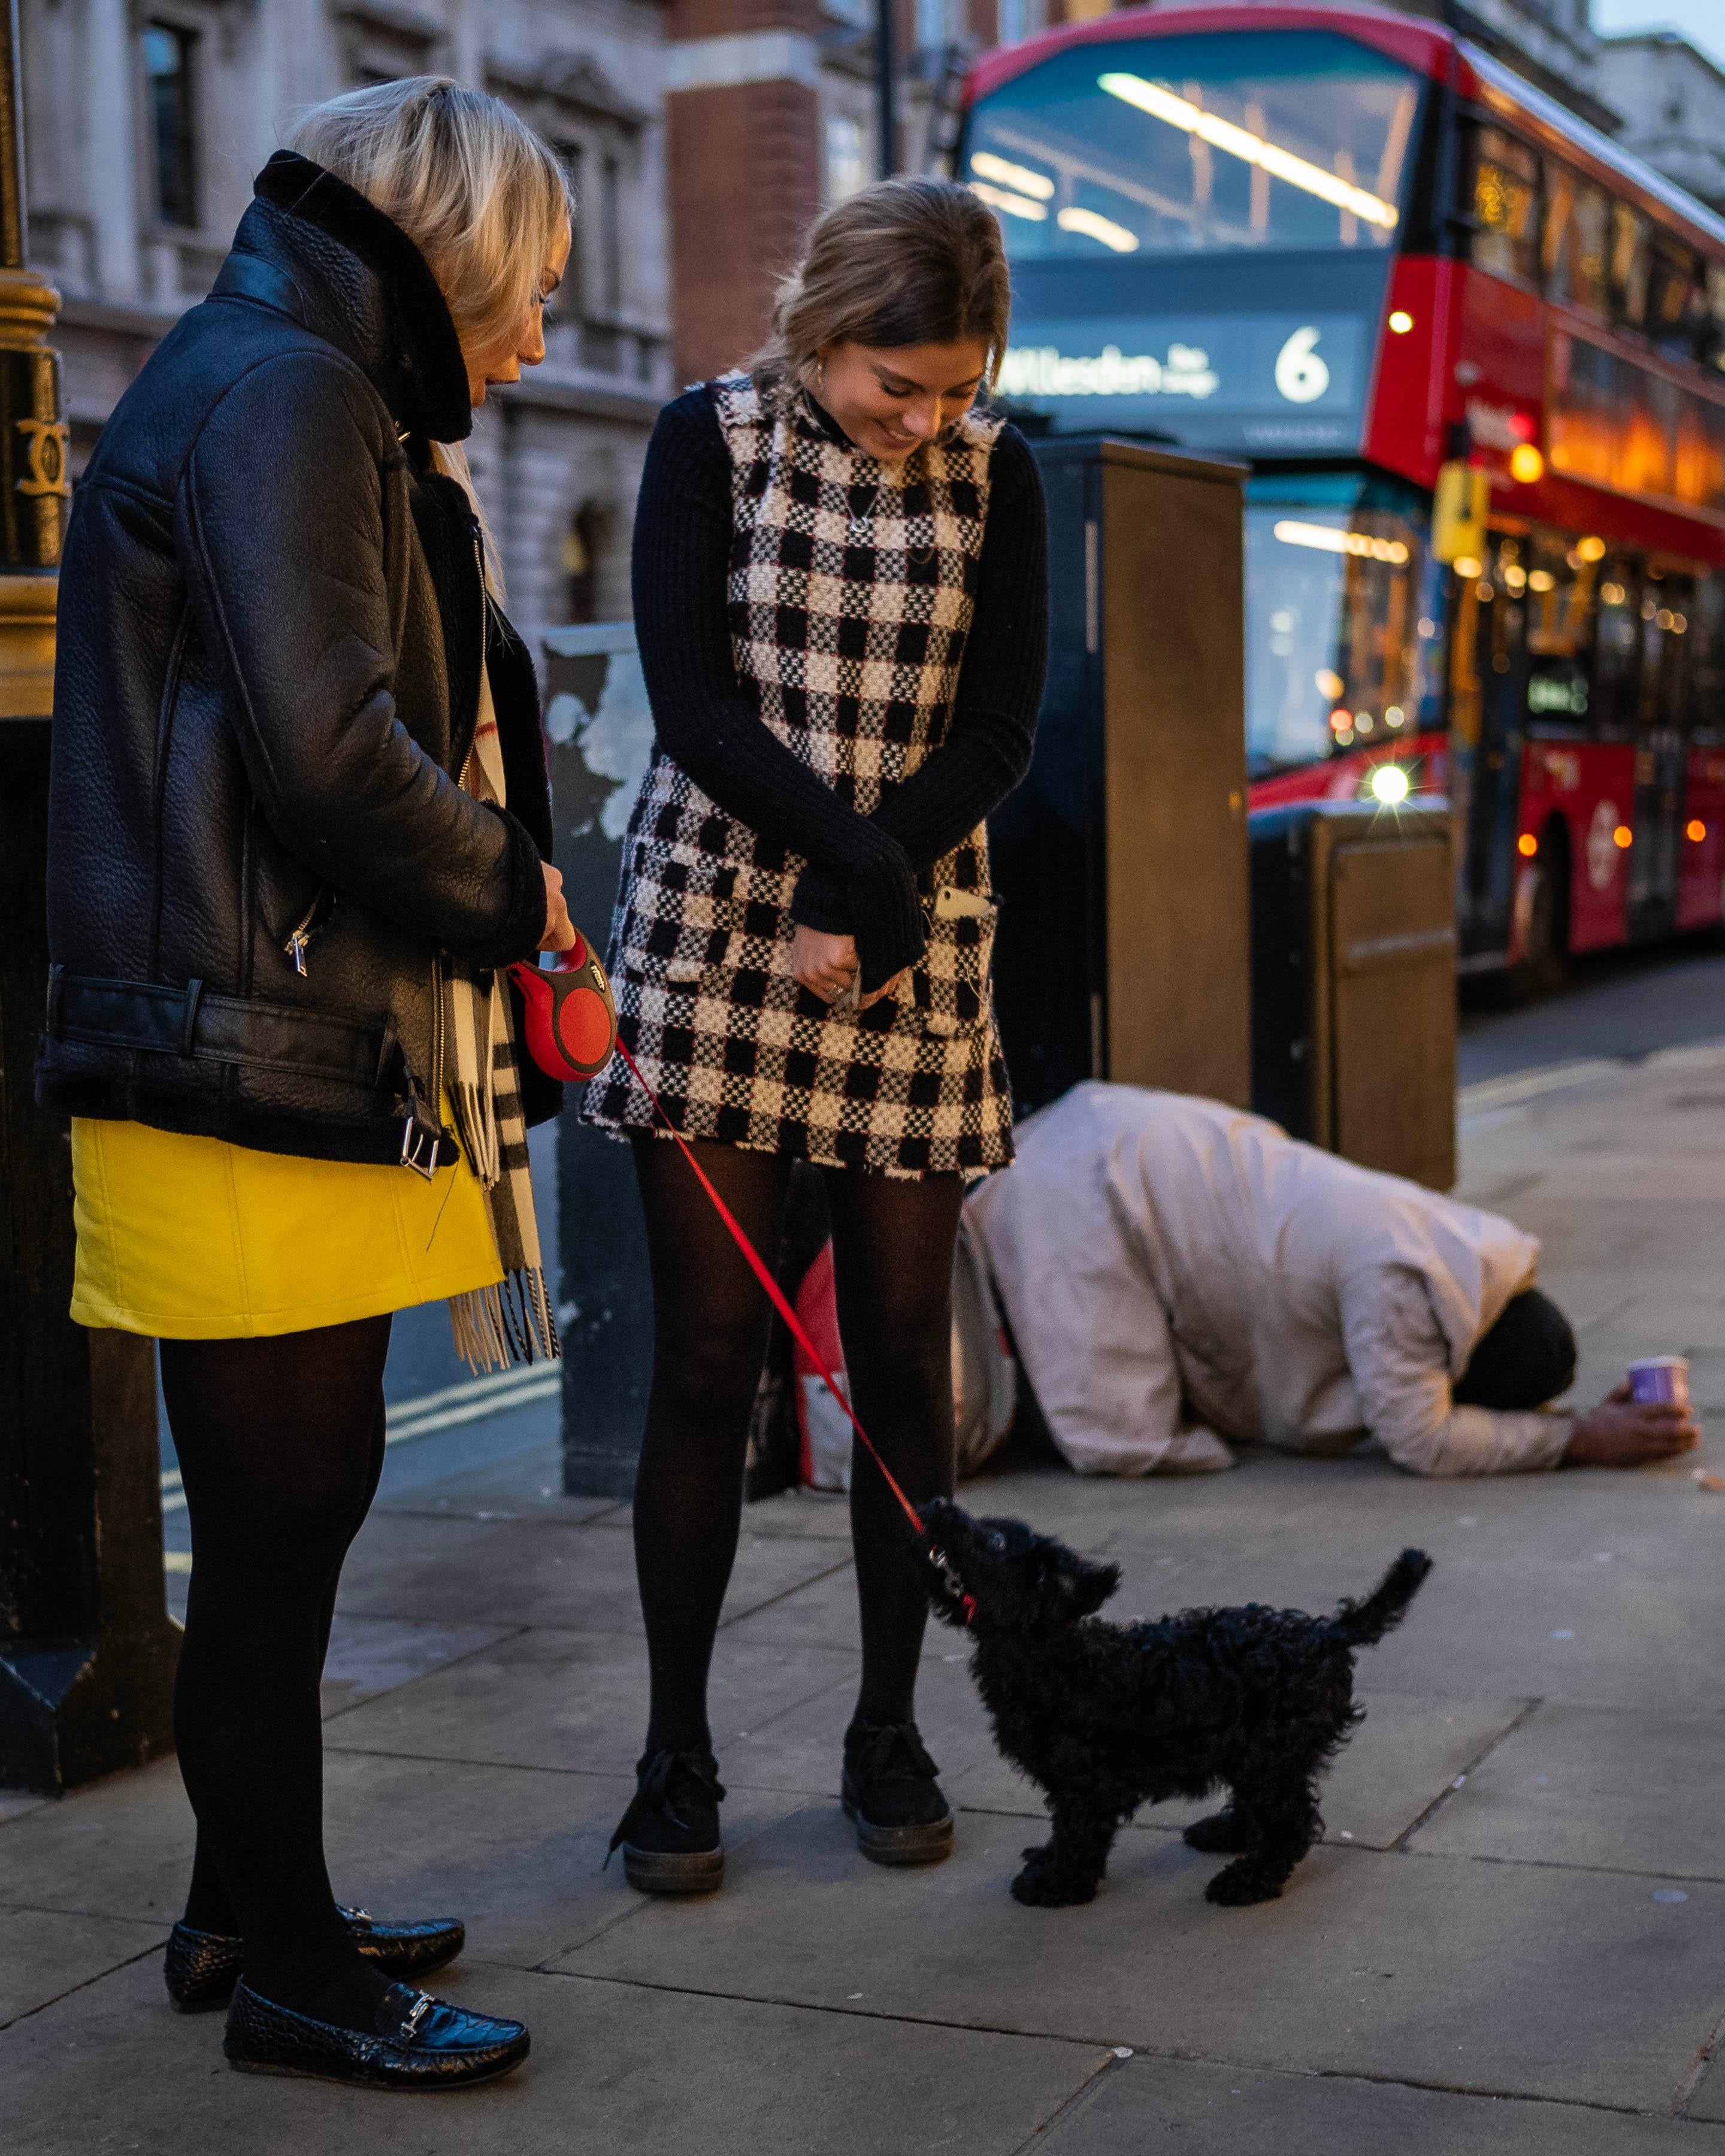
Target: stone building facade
1672,101
144,121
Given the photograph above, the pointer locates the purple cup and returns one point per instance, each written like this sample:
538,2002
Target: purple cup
1660,1380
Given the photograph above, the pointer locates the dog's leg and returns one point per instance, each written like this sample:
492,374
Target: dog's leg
1228,1833
1069,1866
1286,1814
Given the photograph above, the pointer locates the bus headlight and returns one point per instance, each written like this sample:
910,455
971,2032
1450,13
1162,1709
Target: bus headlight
1389,785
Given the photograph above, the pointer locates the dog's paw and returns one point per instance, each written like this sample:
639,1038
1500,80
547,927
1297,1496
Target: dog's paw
1220,1834
1240,1884
1037,1853
1037,1887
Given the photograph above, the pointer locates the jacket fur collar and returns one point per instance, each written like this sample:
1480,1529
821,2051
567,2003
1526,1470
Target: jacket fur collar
358,281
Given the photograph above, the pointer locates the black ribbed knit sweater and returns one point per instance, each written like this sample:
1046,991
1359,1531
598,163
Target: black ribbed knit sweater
861,877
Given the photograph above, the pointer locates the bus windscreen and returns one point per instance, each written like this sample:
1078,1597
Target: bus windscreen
1170,145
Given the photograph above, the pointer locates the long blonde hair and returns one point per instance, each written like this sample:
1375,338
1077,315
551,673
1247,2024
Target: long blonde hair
903,262
478,192
472,186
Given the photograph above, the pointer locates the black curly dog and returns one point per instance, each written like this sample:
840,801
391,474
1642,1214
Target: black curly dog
1106,1717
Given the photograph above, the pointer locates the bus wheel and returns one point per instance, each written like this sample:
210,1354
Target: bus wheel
1543,963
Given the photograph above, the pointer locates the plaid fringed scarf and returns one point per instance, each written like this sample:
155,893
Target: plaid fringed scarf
511,1322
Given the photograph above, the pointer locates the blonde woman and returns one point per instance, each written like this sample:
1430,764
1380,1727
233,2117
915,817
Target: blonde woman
300,815
841,600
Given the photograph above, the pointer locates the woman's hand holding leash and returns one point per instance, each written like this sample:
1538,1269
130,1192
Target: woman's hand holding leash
559,930
827,967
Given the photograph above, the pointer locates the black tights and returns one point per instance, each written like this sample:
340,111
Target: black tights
892,1250
280,1445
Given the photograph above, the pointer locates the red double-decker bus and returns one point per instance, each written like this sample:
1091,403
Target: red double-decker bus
1475,355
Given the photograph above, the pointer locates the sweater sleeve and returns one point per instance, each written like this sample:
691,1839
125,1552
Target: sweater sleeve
987,750
1398,1358
706,719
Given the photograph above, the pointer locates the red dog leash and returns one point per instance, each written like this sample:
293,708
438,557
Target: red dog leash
781,1302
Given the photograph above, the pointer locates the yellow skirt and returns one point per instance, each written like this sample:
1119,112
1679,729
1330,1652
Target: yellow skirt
193,1238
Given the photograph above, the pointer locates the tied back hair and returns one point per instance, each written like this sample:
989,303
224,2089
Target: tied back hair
478,192
904,262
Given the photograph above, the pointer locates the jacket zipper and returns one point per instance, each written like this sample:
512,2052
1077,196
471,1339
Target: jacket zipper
307,929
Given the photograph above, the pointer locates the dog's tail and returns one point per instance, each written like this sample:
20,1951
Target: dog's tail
1363,1623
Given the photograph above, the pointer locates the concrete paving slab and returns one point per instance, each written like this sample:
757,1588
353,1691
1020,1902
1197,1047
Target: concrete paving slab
819,1515
613,2067
1708,2098
517,1853
120,1848
1488,1977
372,1655
572,1700
1595,1786
526,1483
505,1572
1143,2103
44,1953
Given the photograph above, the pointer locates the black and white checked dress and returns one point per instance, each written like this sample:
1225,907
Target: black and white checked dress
856,668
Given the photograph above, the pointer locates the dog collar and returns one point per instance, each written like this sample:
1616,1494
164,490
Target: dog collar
950,1580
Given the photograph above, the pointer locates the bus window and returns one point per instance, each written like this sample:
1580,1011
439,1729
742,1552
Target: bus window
1675,300
1148,146
1577,223
1706,660
1617,648
1712,321
1562,577
1667,603
1506,207
1628,266
1700,473
1333,653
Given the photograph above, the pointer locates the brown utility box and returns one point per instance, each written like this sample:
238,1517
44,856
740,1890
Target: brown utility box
1121,860
1354,934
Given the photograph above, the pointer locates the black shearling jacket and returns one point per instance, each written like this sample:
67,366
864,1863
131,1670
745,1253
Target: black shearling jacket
272,623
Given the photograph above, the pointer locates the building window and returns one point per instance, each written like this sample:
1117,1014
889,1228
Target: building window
168,59
571,295
611,235
584,546
847,157
933,24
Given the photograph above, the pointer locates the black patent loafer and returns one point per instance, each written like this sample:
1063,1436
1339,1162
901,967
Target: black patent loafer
417,2042
201,1969
670,1835
890,1794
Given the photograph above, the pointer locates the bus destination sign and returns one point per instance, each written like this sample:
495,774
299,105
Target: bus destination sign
1252,382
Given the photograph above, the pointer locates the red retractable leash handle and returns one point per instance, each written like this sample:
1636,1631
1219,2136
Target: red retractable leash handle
781,1302
571,1017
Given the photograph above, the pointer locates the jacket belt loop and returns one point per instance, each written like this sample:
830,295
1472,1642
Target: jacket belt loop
386,1053
194,996
56,997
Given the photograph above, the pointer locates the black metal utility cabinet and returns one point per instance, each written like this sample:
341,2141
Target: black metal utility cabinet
1353,972
1122,859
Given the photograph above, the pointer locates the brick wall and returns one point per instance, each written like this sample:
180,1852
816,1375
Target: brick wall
745,186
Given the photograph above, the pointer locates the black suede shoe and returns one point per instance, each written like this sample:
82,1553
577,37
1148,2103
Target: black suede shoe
418,2043
201,1969
670,1835
890,1792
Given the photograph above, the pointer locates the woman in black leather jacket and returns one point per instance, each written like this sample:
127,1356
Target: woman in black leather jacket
298,823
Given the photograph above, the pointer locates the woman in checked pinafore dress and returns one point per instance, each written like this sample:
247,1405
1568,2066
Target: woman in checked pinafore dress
840,597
